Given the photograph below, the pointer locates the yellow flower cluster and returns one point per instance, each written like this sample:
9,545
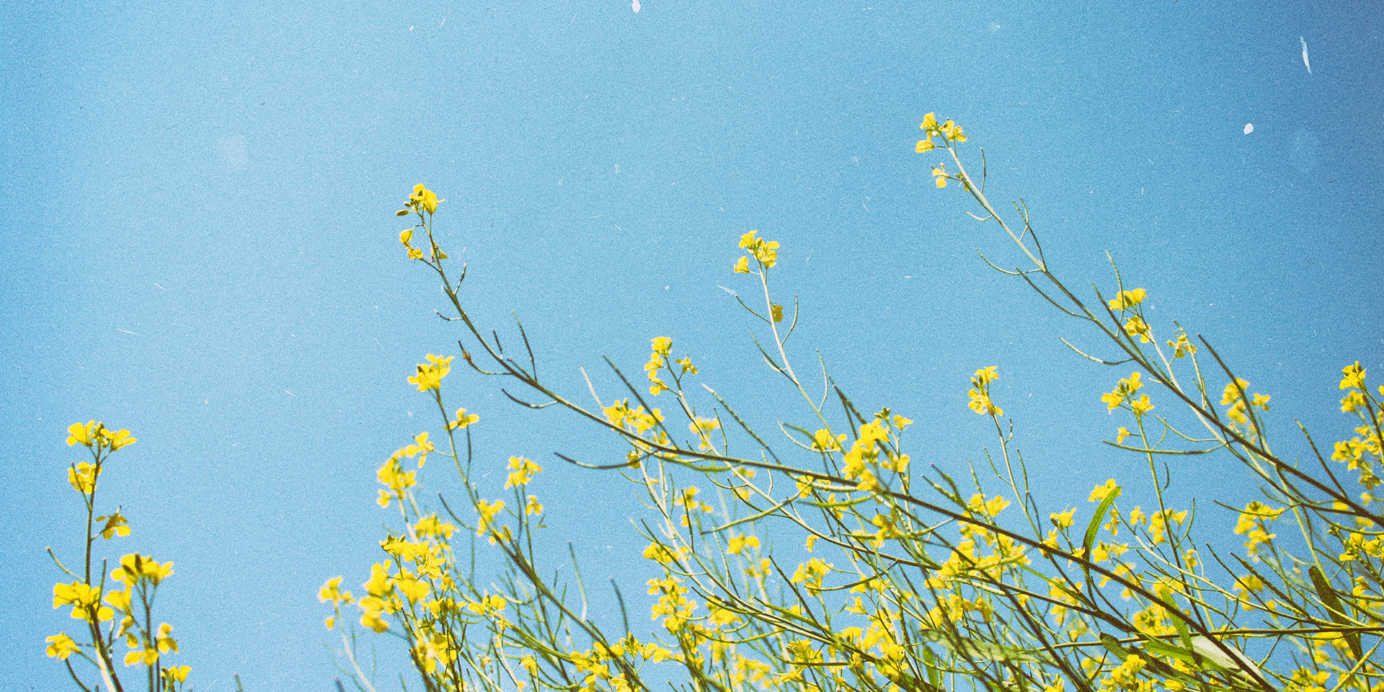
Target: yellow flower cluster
1126,300
1123,395
429,375
738,543
129,593
94,435
688,500
980,392
421,200
948,131
1182,347
1234,396
812,572
673,603
875,449
765,252
398,481
1254,525
822,441
487,512
462,420
520,471
1363,452
135,568
658,360
638,423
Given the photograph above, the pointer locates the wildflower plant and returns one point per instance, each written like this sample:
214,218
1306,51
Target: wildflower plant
904,580
115,607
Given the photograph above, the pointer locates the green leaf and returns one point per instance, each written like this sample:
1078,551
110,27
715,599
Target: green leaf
1333,606
934,676
1113,646
981,649
1096,521
1213,654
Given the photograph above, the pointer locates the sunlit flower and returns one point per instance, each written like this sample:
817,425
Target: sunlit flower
61,646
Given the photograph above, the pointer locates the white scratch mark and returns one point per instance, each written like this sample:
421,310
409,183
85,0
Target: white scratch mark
1249,127
727,290
635,6
1305,61
161,288
289,393
118,329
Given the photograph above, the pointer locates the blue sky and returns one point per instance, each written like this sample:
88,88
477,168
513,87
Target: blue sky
201,248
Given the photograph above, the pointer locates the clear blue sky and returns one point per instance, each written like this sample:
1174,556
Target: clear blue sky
200,247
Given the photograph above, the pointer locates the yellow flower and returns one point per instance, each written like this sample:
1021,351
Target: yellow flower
135,567
83,477
985,376
429,375
174,674
532,507
463,420
423,199
379,585
980,396
146,656
764,251
952,131
1136,326
84,599
939,173
742,265
165,640
1101,491
1124,392
61,646
739,543
405,236
1249,584
114,440
78,433
120,600
1232,391
487,512
521,470
115,526
822,441
1182,346
1352,377
372,619
331,591
1125,300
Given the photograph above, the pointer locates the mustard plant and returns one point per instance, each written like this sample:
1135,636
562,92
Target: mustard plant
116,605
904,580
